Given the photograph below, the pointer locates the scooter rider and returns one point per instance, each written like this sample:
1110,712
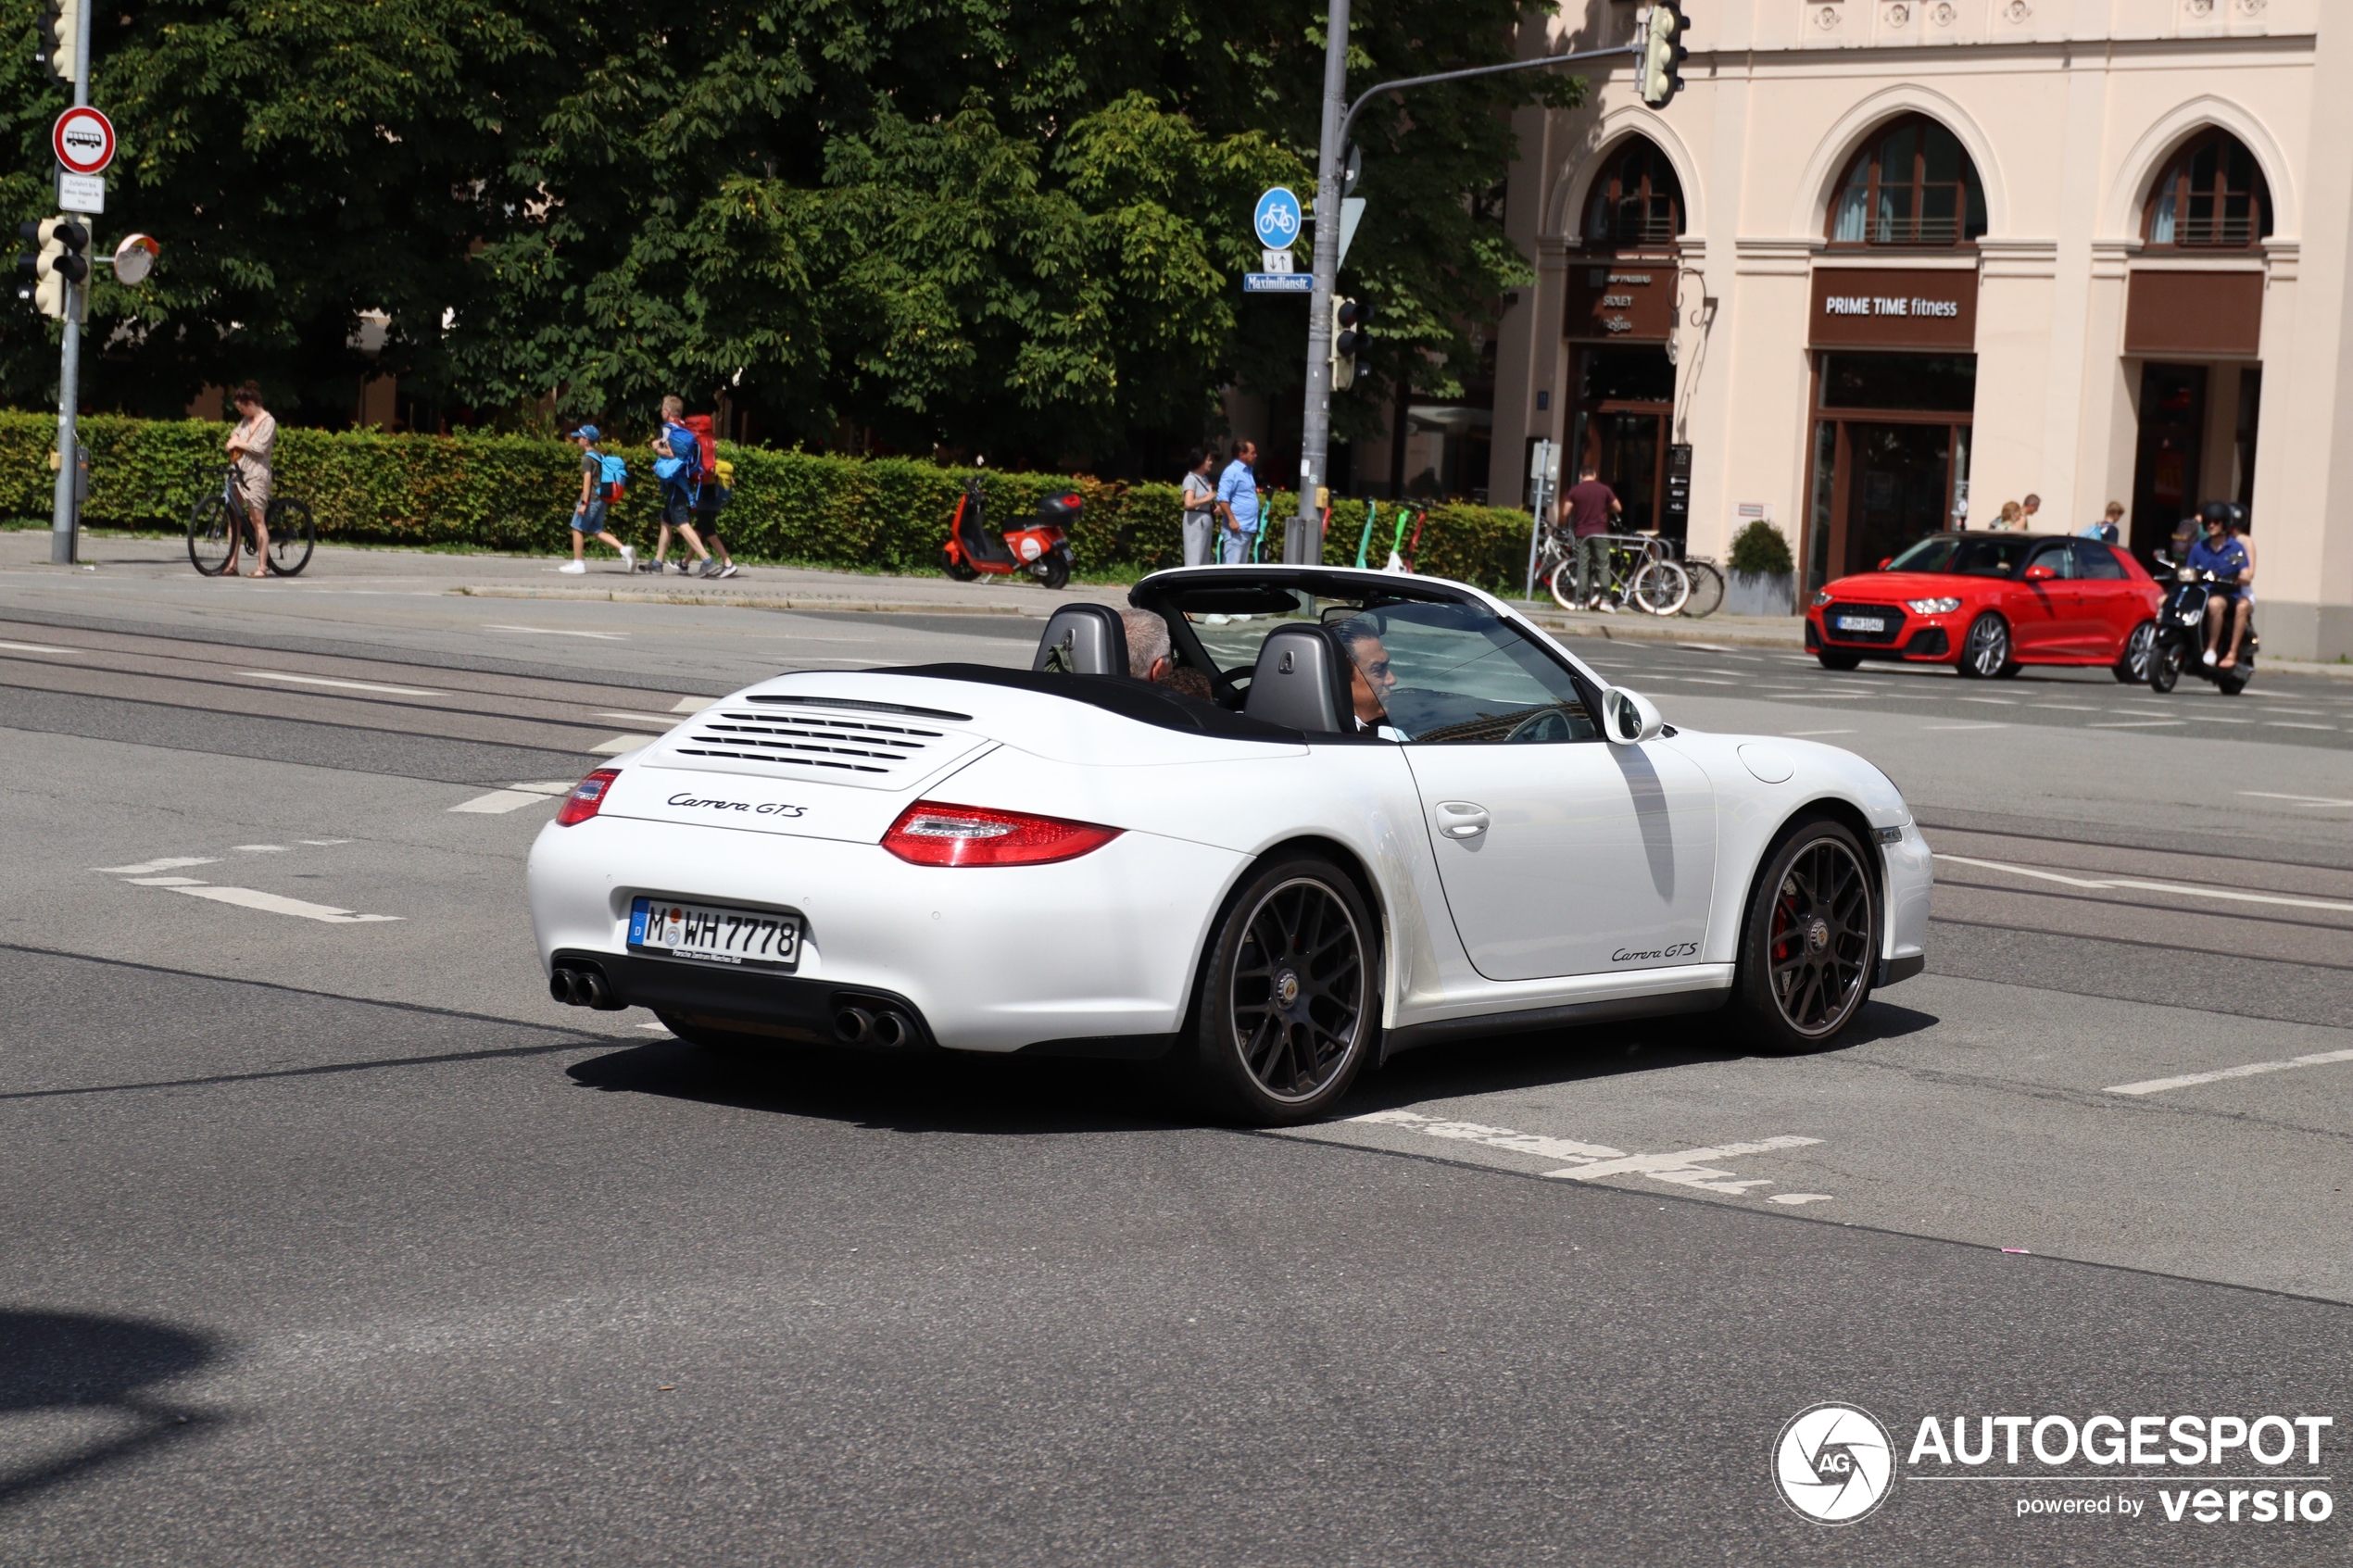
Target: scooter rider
2226,559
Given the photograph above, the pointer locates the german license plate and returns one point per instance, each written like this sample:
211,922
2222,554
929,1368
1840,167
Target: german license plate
1861,623
753,939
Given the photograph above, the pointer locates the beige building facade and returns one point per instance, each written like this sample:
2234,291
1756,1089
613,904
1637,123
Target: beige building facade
1885,264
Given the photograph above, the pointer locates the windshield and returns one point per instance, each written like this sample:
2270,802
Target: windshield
1963,556
1446,674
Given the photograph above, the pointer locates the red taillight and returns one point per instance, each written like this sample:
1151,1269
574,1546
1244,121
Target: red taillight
586,796
931,833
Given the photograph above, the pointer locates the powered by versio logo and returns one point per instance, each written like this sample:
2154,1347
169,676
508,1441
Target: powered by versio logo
1833,1464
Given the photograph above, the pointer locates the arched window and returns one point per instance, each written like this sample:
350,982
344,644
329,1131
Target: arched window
2210,196
1636,201
1912,186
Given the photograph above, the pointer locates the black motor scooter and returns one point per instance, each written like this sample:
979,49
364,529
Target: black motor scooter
2181,635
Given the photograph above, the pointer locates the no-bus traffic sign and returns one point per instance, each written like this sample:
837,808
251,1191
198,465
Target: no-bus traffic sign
84,141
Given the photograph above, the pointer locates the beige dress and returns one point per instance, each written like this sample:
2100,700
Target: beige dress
258,436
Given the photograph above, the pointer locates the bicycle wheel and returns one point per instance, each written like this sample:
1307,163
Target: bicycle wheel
1659,588
291,536
1560,576
213,528
1707,588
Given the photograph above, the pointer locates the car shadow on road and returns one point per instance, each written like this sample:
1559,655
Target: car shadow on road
957,1092
928,1092
1502,1063
81,1364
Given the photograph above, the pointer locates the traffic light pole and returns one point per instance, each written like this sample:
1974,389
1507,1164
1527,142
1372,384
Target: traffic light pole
1303,541
65,517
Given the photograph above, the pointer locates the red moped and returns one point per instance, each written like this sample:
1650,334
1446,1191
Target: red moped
1040,551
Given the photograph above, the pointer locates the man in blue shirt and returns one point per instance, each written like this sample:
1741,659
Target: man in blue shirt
2226,559
1237,504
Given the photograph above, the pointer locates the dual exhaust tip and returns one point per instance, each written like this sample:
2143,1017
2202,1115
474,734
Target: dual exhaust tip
886,1027
584,988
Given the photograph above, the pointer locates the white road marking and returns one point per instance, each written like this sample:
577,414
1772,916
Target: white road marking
2292,724
1693,680
1964,726
1999,701
620,744
693,704
342,686
559,632
164,882
1793,1199
260,849
33,647
169,863
2299,799
1797,735
499,801
554,787
1828,696
322,843
2065,706
271,903
1688,1168
662,719
655,1028
2158,1085
2233,893
2134,724
2299,712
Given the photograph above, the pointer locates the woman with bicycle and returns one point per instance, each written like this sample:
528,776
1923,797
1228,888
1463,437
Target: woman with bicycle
250,447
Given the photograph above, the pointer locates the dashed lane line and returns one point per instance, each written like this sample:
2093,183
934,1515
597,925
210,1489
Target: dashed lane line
2233,894
272,903
662,719
340,685
620,744
34,647
692,704
2323,801
561,632
168,863
1799,734
2158,1085
512,798
1687,1168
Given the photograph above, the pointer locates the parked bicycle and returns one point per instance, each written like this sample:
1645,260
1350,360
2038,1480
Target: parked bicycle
218,529
1638,571
1707,580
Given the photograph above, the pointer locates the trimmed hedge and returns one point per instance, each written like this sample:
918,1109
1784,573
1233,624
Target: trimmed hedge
516,492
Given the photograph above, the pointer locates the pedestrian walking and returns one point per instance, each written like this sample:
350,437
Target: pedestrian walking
2110,530
600,487
1591,506
1237,504
712,493
2013,515
1200,508
250,446
678,469
2028,508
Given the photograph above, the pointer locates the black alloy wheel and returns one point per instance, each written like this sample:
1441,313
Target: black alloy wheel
1985,652
1840,661
1289,999
2133,664
2165,664
1809,947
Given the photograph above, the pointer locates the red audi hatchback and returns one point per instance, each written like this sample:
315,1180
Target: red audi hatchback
1988,602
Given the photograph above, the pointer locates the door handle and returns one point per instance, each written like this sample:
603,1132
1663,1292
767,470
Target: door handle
1461,818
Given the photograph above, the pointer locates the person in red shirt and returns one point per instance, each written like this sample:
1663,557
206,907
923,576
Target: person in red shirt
1591,505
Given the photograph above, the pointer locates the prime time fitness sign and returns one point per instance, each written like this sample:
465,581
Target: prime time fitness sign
1894,307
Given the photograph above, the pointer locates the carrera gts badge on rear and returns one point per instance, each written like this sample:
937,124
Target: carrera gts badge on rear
764,809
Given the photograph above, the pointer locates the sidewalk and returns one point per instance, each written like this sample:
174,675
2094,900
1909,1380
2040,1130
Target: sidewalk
785,587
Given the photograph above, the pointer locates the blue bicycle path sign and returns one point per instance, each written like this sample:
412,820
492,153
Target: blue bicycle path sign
1277,218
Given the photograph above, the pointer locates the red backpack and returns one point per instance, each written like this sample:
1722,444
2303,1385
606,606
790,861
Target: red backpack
708,443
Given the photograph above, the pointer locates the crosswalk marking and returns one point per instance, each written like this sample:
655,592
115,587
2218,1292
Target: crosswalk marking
1688,1168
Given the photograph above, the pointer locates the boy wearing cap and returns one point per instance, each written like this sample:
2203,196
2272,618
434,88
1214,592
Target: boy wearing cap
588,517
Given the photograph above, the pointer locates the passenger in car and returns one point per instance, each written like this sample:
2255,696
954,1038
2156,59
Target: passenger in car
1152,657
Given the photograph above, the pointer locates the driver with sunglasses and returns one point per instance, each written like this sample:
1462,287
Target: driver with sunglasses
1370,679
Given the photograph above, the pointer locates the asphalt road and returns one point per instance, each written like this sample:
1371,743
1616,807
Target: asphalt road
331,1239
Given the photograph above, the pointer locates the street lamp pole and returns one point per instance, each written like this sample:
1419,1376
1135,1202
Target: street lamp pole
1303,541
65,517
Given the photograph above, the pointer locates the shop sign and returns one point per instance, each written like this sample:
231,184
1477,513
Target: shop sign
1629,303
1893,307
2194,315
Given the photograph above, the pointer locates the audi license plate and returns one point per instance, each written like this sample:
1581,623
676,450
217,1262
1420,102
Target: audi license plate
1861,623
754,939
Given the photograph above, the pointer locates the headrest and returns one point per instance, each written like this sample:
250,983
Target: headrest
1084,639
1301,680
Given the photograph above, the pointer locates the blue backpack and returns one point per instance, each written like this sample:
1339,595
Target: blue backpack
613,476
684,465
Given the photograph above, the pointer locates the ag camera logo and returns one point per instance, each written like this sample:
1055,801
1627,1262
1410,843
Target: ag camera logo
1833,1464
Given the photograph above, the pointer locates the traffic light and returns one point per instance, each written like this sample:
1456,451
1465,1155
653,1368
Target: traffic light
60,23
1662,52
1349,318
56,262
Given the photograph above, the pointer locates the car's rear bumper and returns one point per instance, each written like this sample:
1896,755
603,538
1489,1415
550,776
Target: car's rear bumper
982,958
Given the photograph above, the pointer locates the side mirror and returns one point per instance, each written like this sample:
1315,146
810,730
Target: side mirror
1628,718
2040,573
1886,561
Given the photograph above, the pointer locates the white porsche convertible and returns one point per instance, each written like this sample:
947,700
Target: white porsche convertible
1405,815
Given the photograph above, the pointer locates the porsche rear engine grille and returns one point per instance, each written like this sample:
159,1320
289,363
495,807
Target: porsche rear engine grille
819,742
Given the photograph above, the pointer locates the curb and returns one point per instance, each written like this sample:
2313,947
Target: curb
751,601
